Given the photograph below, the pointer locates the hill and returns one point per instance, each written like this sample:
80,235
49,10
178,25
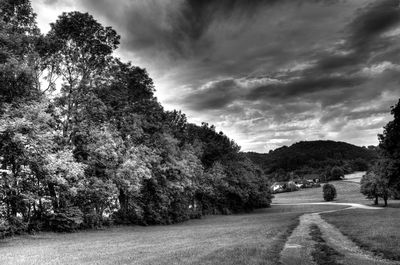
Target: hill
309,157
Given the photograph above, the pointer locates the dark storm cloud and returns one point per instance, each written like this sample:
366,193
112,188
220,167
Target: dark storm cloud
214,96
219,94
302,86
364,36
360,44
174,26
373,20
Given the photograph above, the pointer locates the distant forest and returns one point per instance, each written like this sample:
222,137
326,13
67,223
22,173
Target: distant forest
98,148
314,157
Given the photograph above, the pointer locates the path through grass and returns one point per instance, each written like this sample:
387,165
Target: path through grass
376,232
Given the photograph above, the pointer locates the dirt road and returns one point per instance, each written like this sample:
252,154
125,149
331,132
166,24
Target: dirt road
300,245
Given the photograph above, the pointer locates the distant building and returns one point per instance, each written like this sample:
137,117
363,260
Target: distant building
278,186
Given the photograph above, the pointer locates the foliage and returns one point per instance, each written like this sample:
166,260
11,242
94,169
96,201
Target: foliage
375,184
66,220
389,143
18,31
369,186
101,148
336,173
329,192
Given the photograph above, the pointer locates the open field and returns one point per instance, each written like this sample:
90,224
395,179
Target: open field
378,233
347,191
354,177
255,238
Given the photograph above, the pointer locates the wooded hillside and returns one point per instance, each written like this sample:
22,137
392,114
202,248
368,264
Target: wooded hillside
309,157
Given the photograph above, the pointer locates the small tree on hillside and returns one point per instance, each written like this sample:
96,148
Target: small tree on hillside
336,173
375,183
329,192
369,186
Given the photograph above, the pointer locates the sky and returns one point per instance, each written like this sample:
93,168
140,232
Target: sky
267,73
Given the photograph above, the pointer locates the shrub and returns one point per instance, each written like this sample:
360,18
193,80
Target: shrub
329,192
336,173
92,220
291,187
13,226
66,220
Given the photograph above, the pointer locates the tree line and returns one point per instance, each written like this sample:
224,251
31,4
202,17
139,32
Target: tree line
84,141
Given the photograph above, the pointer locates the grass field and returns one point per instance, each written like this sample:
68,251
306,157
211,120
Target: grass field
347,191
376,232
255,238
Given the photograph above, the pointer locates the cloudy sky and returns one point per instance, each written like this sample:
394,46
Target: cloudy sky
266,72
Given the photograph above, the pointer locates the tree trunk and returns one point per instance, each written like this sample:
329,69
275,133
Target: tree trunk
123,201
53,195
376,200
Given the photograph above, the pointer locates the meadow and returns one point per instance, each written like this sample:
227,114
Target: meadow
348,191
378,233
255,238
250,238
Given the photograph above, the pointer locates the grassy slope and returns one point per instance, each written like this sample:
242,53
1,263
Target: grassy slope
377,232
346,192
255,238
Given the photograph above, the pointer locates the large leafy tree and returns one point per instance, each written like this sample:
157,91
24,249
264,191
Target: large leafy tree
18,35
389,143
79,49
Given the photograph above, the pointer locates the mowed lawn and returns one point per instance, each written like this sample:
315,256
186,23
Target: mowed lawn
378,232
255,238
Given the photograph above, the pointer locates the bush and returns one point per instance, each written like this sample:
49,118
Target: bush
291,187
329,192
92,220
66,220
336,173
13,226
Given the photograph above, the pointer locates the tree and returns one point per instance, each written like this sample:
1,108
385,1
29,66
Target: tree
329,192
79,48
39,177
389,143
18,34
336,173
369,186
359,164
375,184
